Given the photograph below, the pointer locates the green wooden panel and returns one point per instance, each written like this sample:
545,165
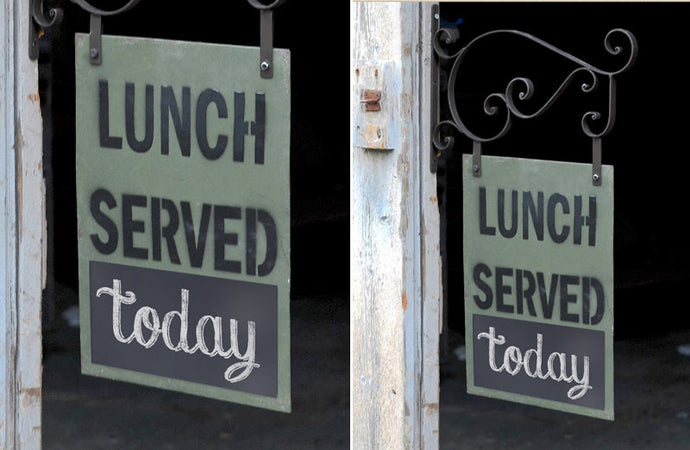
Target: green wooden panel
174,190
538,271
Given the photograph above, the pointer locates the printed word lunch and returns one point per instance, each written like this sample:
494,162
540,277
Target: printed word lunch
534,211
180,113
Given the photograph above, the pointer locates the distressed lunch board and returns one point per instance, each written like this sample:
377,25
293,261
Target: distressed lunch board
538,271
183,201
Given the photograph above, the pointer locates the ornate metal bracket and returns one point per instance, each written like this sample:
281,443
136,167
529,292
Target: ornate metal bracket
521,89
96,26
266,35
39,22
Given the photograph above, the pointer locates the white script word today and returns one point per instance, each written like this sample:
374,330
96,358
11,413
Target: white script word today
514,360
148,318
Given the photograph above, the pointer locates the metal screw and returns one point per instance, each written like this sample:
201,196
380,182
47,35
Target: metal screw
94,53
436,16
265,65
595,177
475,168
378,132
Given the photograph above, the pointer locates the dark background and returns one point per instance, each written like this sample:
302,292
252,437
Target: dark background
88,412
647,149
647,146
319,139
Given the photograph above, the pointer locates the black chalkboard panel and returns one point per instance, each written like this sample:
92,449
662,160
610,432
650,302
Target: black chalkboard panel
137,319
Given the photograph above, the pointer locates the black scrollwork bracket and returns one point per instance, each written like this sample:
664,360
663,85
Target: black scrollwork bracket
266,35
39,21
520,89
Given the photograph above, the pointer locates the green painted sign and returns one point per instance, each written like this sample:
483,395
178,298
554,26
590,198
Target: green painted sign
538,263
184,218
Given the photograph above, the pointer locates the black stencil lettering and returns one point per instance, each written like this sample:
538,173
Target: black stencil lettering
259,128
167,232
240,129
103,196
585,300
526,293
591,221
196,246
131,226
601,301
207,97
106,140
567,298
554,200
222,238
503,289
512,231
139,146
250,249
181,120
480,269
269,226
529,209
483,228
547,303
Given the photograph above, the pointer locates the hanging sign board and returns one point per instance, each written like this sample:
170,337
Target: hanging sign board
538,262
184,218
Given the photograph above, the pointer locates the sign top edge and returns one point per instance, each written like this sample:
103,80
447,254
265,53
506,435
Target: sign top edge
81,38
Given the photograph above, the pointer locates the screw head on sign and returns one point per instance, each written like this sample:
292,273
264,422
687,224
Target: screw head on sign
475,168
94,53
595,177
265,65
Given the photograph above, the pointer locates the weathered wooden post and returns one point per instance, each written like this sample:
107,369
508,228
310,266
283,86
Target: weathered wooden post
21,233
394,229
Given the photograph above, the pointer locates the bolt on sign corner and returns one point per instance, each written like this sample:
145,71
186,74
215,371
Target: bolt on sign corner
538,262
184,220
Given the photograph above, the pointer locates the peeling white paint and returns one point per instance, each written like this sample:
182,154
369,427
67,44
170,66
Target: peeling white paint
22,225
394,262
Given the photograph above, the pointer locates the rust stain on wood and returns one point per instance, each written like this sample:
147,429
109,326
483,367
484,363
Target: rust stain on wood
404,300
431,409
36,98
32,396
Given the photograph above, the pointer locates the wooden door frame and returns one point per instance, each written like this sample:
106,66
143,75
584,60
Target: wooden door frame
22,233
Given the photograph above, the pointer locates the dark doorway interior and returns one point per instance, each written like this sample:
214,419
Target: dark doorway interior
86,412
646,148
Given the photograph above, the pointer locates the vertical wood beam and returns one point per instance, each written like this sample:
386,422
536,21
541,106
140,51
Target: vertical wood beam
395,291
22,225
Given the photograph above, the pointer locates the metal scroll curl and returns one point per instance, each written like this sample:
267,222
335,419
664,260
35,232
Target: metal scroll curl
86,6
40,22
520,89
